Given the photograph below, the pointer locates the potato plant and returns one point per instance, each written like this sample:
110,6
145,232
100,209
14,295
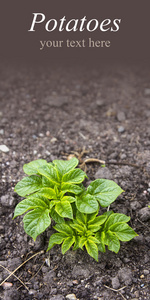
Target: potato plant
55,191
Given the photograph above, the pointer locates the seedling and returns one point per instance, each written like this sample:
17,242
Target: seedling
55,191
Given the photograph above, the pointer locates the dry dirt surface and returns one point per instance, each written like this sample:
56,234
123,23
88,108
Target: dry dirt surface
50,112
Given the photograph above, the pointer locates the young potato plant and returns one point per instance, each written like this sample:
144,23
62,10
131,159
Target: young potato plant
55,191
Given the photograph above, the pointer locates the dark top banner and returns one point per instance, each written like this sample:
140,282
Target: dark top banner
54,29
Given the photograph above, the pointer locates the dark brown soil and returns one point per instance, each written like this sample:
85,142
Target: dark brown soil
49,112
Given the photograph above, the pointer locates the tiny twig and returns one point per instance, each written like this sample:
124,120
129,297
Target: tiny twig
117,291
12,273
15,276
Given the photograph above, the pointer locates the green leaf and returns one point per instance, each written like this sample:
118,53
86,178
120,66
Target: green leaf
69,199
92,249
64,228
67,244
94,239
28,185
56,238
98,220
48,193
123,232
32,167
100,236
86,204
50,173
30,203
64,209
74,176
56,217
76,243
113,242
116,218
78,228
47,183
81,218
91,217
71,188
36,221
82,241
64,166
105,191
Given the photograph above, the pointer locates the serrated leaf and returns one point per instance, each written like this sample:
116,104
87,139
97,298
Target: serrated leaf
64,166
113,242
50,173
64,209
36,221
71,188
116,218
32,167
56,238
64,228
92,249
67,244
48,193
28,185
123,232
75,176
105,191
28,204
86,204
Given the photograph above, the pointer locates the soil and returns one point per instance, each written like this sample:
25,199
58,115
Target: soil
50,112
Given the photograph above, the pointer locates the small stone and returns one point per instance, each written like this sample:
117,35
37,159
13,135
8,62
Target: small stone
146,272
32,292
1,131
144,214
71,297
121,129
4,148
103,173
148,190
121,116
115,283
53,140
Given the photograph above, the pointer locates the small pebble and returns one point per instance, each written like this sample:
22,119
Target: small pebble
2,131
121,129
53,140
4,148
71,297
